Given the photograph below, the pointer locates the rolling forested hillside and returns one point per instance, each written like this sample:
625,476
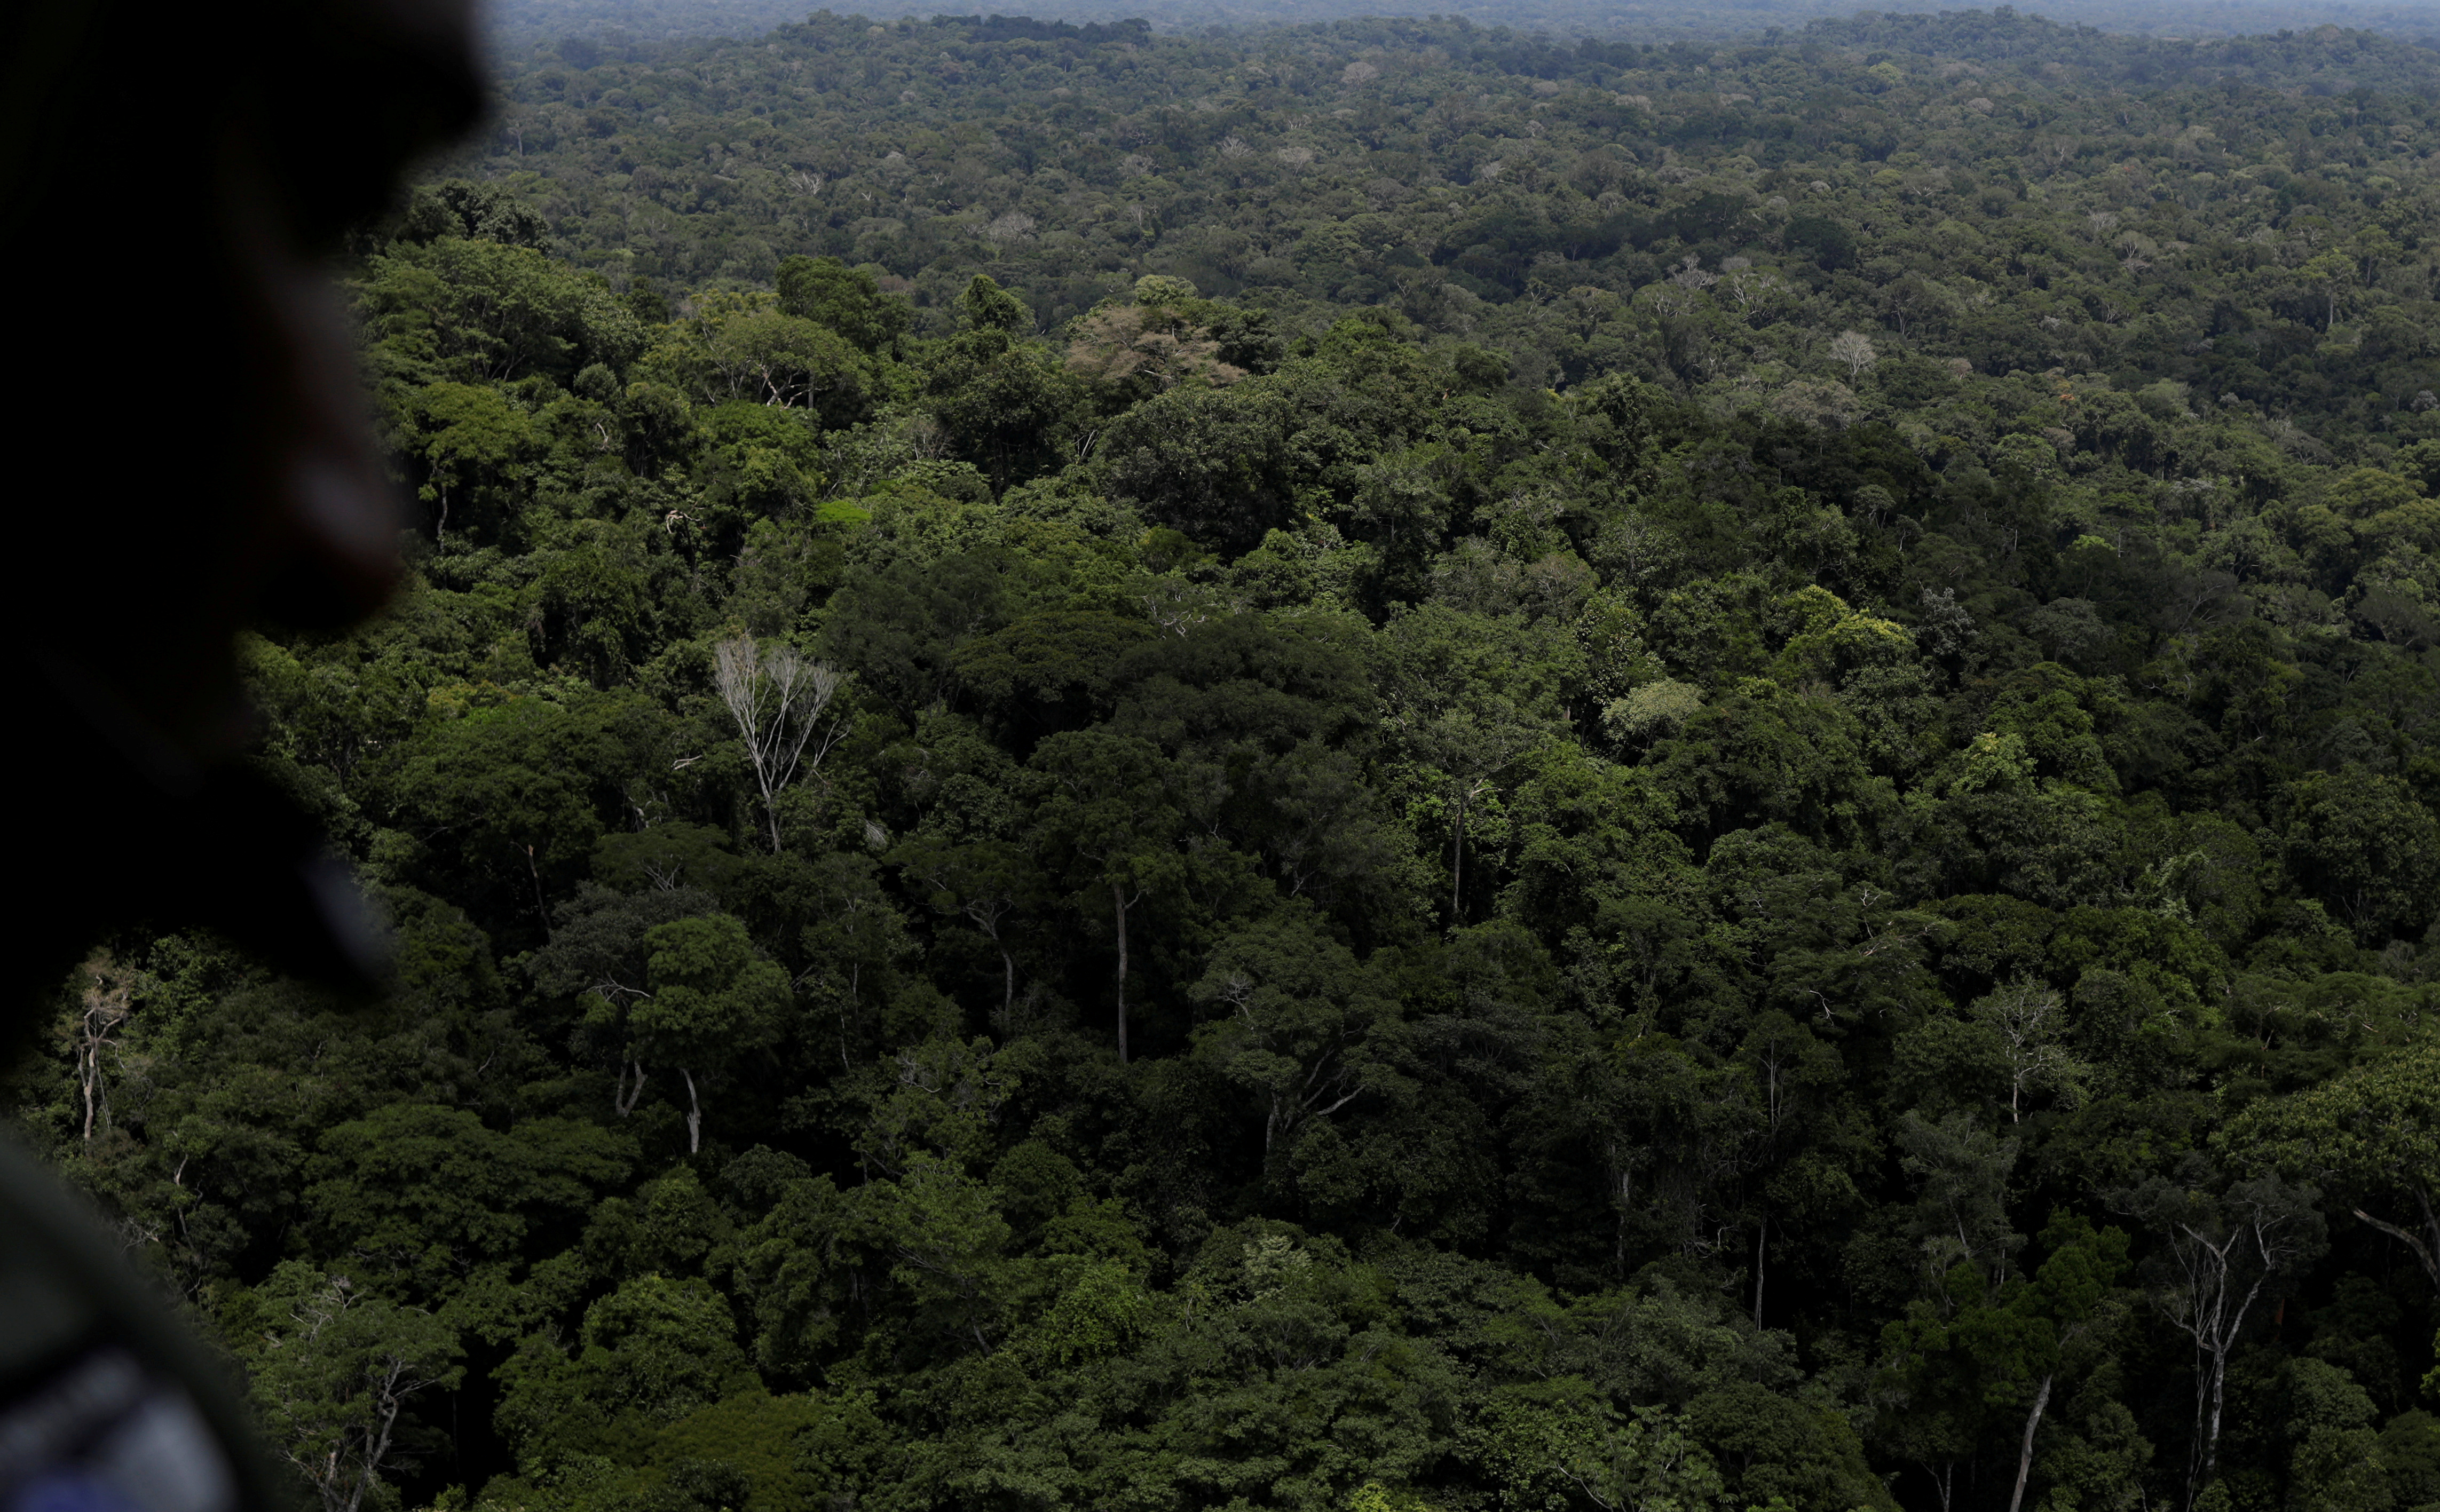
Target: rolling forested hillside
1368,767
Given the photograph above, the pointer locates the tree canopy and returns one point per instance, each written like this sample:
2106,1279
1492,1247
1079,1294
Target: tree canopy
1358,768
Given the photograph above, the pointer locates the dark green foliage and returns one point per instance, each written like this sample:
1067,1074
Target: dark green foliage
847,300
1475,774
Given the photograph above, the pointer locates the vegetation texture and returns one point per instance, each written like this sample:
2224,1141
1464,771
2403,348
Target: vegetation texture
1376,767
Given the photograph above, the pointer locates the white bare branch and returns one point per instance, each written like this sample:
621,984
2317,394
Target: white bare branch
779,699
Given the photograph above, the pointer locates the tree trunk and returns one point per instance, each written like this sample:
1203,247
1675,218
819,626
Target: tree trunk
1457,877
695,1113
2211,1438
106,1008
541,906
2025,1454
1946,1479
620,1097
1625,1204
1762,1238
376,1436
2427,1255
2211,1389
1119,908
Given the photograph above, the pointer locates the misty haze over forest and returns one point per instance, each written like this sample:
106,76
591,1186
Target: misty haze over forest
521,24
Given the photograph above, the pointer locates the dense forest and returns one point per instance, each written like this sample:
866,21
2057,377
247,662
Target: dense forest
515,27
1381,767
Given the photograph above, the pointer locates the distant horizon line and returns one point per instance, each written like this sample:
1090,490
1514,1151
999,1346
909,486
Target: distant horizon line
531,22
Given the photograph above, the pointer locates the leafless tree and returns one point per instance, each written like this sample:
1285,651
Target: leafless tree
779,699
1006,230
1173,610
1750,286
109,1002
1855,349
1689,275
2223,1254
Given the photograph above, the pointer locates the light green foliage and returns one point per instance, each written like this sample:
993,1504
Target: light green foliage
1374,1497
2336,1462
2376,1129
1656,709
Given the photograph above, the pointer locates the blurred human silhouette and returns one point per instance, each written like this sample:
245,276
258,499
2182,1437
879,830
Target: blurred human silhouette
192,449
191,456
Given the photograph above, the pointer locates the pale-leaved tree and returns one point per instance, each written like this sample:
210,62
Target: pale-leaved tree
1854,350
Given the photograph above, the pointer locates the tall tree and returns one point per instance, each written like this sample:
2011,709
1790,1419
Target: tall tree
1108,809
2222,1251
335,1371
711,1003
1296,1019
1470,697
1003,399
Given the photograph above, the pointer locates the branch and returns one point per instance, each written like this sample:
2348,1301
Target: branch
1324,1113
2422,1252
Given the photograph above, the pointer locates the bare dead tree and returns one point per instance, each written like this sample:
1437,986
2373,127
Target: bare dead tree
2222,1256
109,1002
1853,350
621,1096
779,699
390,1380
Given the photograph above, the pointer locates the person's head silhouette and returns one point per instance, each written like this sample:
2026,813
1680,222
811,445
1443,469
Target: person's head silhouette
193,455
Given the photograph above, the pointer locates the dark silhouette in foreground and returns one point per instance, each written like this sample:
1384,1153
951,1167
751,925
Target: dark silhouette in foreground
191,459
